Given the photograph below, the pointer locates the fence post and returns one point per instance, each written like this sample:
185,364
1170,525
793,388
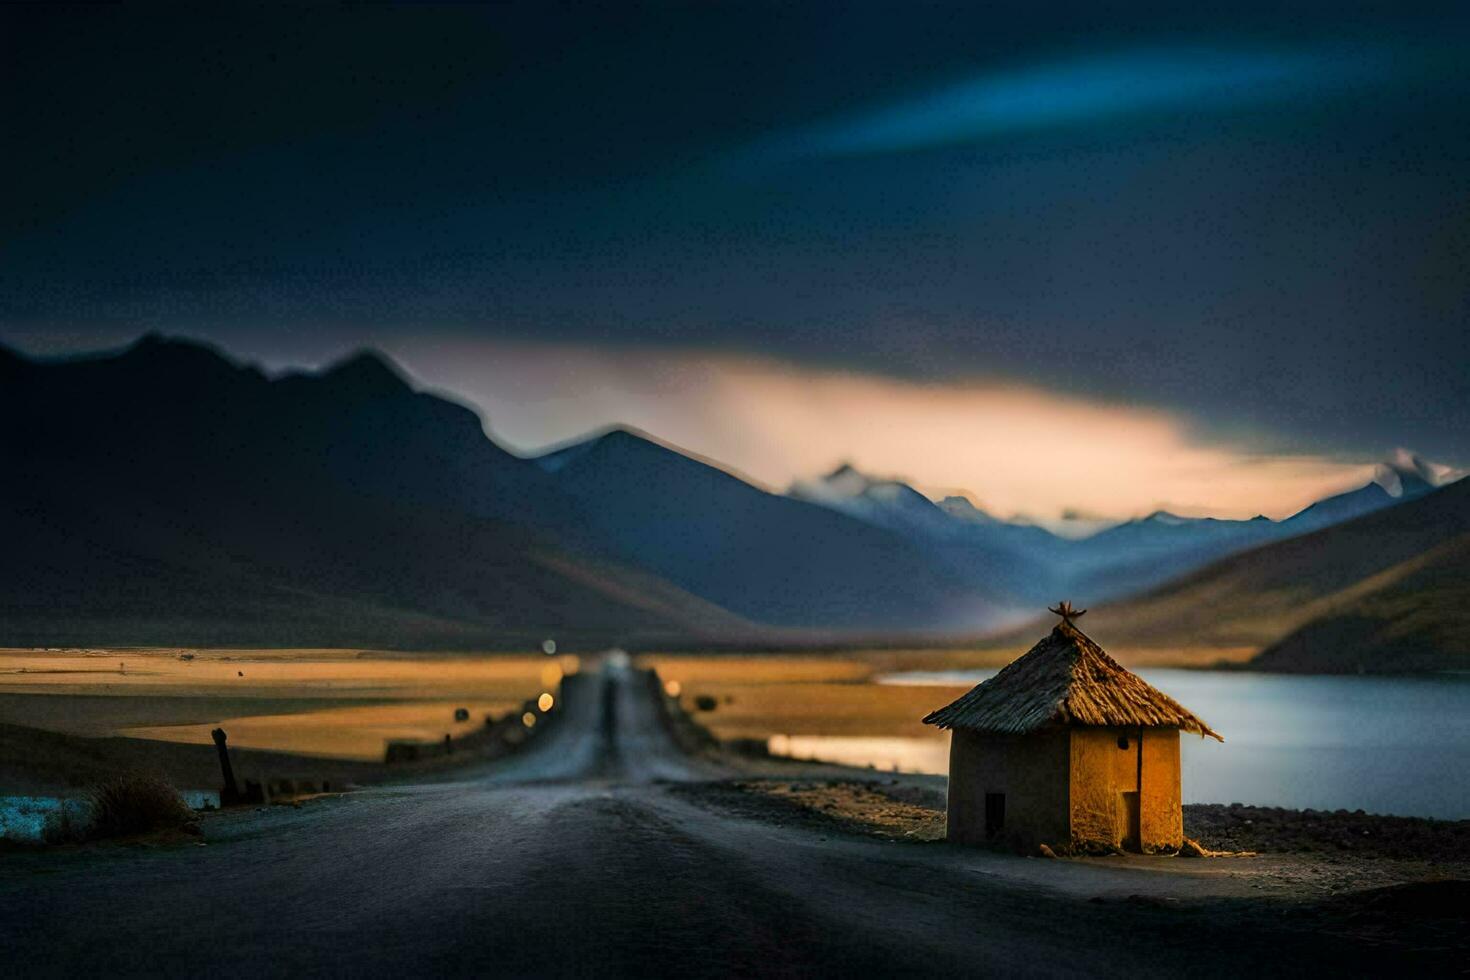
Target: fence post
230,793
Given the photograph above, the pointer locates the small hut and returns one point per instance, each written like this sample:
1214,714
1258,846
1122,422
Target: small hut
1067,748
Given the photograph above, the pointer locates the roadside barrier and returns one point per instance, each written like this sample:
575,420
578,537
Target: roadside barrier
688,734
500,736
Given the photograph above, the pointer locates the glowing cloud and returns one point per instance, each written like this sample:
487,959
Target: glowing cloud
1015,448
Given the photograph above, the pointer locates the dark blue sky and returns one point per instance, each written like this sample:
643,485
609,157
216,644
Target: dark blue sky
1259,220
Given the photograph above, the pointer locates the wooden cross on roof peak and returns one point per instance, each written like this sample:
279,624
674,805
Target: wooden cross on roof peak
1064,609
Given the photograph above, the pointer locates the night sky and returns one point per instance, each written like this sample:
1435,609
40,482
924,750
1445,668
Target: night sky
1252,223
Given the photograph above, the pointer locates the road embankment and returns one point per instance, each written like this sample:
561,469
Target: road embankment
41,763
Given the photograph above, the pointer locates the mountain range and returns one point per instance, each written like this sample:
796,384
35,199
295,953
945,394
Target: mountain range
1388,591
763,556
1026,564
165,494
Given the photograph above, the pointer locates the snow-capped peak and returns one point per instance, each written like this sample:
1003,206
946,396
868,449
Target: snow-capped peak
845,481
887,502
963,509
1406,473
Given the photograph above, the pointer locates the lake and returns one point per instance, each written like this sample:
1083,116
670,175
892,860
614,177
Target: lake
1397,745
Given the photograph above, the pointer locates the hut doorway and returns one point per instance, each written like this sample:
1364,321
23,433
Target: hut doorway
1132,836
995,814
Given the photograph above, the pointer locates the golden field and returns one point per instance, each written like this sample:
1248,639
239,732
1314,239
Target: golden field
348,703
333,703
760,696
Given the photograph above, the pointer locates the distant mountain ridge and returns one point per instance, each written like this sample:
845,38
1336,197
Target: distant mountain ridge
887,503
1385,592
170,495
1029,564
174,496
1012,561
763,556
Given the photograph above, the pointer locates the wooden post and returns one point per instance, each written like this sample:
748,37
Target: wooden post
230,793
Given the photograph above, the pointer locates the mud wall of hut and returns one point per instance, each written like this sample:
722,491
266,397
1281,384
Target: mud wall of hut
1162,806
1116,772
1031,770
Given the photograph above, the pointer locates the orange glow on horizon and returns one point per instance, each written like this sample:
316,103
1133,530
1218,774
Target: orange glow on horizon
1012,448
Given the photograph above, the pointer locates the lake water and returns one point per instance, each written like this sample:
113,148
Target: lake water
1396,745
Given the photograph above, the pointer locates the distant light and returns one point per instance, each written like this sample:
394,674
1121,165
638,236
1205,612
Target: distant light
545,701
548,647
672,688
528,719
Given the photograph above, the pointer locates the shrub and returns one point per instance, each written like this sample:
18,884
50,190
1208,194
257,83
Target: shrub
64,827
136,804
706,703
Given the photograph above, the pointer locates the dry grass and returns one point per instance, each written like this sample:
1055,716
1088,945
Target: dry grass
356,732
268,674
123,806
136,803
761,710
331,703
759,696
746,669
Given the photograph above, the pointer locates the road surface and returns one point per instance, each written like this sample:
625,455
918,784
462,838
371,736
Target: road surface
582,856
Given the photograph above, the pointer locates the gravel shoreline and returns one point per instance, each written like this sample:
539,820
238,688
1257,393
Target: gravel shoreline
1327,834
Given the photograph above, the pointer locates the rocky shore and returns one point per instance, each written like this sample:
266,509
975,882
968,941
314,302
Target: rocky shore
1334,833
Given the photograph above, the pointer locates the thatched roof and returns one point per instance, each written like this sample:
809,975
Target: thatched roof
1066,679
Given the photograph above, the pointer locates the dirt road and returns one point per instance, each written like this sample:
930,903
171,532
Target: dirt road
579,857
